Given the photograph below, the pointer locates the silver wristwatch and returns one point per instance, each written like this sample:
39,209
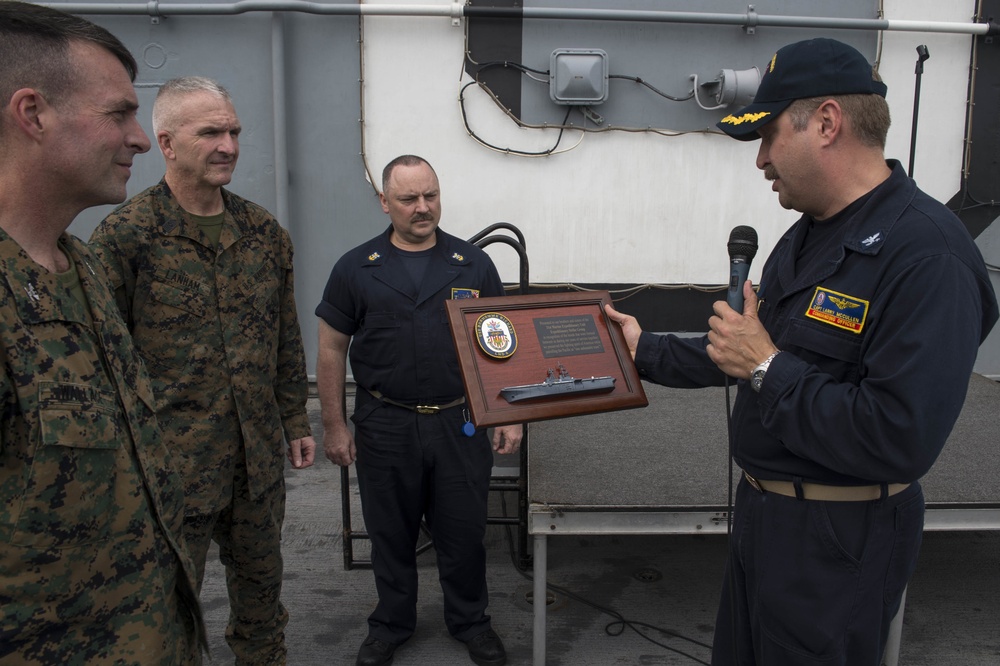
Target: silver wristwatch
757,376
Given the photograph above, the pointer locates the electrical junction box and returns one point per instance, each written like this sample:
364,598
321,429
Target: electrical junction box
578,76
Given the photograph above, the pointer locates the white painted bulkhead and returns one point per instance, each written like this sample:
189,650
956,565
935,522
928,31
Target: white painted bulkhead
626,207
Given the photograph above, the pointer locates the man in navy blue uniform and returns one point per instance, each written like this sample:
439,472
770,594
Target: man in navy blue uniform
854,359
417,456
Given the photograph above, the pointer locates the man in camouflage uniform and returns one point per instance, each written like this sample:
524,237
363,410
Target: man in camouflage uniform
204,278
92,569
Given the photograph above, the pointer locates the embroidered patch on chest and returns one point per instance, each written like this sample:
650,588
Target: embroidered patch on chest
464,293
836,309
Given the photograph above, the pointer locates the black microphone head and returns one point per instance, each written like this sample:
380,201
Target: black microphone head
742,243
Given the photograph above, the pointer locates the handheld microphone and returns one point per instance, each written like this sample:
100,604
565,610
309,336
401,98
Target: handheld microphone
742,248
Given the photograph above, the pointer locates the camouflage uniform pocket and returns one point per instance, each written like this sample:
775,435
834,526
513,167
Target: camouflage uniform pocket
171,329
256,309
69,498
192,302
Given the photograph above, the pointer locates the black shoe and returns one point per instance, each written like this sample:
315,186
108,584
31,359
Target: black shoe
486,649
374,652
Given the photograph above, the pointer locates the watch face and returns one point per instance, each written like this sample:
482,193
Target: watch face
757,380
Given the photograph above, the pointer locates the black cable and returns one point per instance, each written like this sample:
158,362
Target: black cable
966,142
525,69
636,79
465,120
967,196
507,63
651,87
619,618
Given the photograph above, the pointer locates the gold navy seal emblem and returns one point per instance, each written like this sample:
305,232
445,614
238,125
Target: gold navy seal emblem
496,336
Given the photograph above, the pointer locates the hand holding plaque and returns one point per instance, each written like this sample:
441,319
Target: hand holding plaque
514,353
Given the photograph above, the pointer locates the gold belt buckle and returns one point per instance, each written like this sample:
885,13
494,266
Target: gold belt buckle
427,409
753,482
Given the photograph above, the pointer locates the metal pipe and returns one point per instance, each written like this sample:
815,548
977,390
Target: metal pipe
278,96
891,655
156,8
922,55
540,568
521,253
455,10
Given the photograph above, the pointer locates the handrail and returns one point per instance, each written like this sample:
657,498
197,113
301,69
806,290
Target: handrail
521,252
498,225
483,239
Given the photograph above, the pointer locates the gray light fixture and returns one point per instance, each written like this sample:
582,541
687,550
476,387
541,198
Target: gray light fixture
731,87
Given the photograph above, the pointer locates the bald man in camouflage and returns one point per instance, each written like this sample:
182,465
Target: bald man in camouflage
92,566
204,278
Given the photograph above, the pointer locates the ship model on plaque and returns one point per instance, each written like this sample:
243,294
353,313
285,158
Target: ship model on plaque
558,383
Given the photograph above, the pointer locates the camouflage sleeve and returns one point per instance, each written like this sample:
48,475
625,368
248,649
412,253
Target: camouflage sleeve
107,244
7,398
292,384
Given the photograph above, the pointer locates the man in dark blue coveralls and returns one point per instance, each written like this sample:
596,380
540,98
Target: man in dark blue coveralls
854,358
417,455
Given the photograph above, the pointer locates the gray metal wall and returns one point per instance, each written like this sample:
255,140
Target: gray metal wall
664,54
331,207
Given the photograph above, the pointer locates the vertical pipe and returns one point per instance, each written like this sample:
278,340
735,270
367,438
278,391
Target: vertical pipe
891,655
522,502
922,55
538,635
280,124
345,514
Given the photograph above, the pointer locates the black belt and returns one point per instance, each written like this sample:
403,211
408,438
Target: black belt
419,409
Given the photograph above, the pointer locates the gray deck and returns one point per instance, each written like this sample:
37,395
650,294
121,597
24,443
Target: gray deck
670,581
663,470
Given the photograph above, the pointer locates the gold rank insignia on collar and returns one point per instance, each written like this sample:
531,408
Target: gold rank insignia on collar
373,256
457,257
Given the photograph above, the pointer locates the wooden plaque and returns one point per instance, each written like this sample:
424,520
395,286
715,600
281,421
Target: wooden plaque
561,333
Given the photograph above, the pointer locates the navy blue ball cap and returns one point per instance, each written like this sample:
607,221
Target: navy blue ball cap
811,68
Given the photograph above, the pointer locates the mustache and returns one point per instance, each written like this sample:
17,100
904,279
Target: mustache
770,173
423,217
